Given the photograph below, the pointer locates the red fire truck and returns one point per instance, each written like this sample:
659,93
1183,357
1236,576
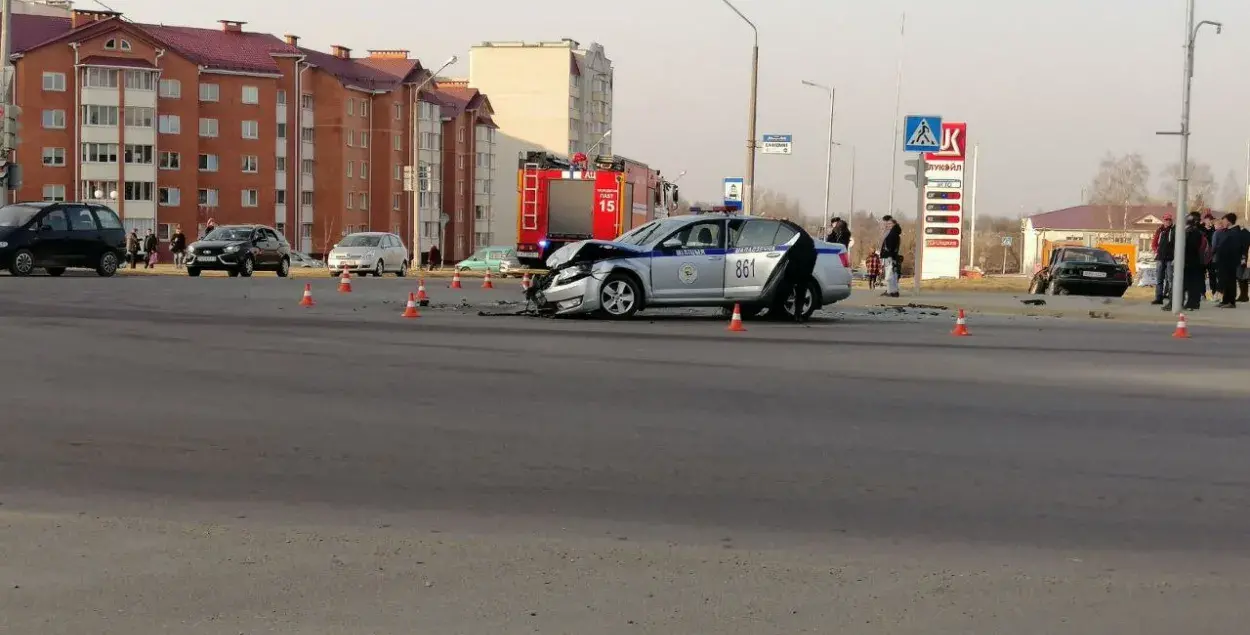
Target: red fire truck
562,201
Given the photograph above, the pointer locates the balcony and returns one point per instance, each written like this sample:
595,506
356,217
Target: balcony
100,134
279,214
101,97
101,172
139,172
138,209
306,182
141,136
306,119
280,148
307,150
306,214
144,98
279,180
280,117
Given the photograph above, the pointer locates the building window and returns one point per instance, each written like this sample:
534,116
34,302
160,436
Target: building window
99,190
351,106
306,166
208,127
117,45
364,200
307,135
251,129
395,201
460,134
208,197
364,139
364,169
460,187
168,197
208,163
279,197
399,112
279,164
171,161
398,173
397,142
479,212
54,192
251,198
54,81
251,95
139,117
306,101
210,92
141,80
169,124
54,157
281,131
306,198
251,163
351,167
99,78
460,162
351,138
93,115
99,152
170,89
139,190
351,200
281,97
139,154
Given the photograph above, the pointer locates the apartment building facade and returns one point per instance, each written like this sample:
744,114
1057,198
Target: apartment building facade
172,126
469,153
554,96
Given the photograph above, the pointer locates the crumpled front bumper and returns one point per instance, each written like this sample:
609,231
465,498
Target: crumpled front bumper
571,298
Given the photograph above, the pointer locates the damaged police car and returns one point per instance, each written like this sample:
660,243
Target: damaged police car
688,261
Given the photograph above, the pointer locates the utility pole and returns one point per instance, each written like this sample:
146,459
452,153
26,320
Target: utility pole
828,150
851,202
7,90
748,184
898,104
972,211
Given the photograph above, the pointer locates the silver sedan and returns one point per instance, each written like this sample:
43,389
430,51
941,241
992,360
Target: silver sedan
689,261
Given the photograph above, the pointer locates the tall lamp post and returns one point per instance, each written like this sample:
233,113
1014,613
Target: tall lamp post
414,169
748,194
1182,204
829,149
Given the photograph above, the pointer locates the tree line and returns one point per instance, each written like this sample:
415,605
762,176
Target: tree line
1126,180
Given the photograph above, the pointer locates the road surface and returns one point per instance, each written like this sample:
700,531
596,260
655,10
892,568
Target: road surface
211,458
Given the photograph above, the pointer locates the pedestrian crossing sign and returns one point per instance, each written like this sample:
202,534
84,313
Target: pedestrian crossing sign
922,133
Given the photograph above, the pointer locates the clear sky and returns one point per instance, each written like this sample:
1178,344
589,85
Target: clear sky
1046,86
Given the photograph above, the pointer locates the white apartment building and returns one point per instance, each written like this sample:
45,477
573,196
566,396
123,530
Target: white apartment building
554,96
57,8
430,174
483,188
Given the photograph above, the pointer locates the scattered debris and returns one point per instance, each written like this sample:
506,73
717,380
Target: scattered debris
1100,315
912,305
1034,302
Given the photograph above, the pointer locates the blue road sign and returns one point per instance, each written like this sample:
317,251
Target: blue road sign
1006,241
922,133
733,191
779,138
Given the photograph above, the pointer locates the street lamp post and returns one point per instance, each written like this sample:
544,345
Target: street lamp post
1182,204
748,194
414,169
829,150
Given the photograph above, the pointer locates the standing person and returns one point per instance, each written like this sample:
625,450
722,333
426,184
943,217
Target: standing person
132,248
150,248
436,258
1243,272
800,262
872,266
208,228
1208,230
833,229
1164,245
1196,250
1230,254
891,254
178,245
841,234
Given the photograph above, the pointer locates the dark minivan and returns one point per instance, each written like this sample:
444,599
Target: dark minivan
57,235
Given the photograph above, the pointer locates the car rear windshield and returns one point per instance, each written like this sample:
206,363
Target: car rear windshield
361,241
230,233
1091,256
18,215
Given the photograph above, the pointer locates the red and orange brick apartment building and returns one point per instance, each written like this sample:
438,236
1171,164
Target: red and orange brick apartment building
175,125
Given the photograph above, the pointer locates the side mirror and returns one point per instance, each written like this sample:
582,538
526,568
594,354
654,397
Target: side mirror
45,228
671,243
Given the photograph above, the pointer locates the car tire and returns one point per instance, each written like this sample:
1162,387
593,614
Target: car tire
1055,289
56,272
193,272
248,267
403,270
23,263
108,265
284,268
620,297
378,269
781,311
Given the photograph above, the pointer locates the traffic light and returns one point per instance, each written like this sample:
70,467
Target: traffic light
941,231
11,127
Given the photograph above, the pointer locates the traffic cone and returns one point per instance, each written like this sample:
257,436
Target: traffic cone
307,300
735,322
961,326
410,310
345,282
526,282
455,280
1182,328
422,298
486,283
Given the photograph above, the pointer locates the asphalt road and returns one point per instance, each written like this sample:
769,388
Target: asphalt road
869,471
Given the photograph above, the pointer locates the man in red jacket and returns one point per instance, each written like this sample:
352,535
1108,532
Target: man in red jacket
1164,246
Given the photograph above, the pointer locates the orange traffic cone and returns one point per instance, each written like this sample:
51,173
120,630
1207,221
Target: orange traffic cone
345,282
526,282
735,322
410,310
961,326
486,283
422,298
307,300
1182,328
455,280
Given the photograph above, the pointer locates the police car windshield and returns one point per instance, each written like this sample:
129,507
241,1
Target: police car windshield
651,231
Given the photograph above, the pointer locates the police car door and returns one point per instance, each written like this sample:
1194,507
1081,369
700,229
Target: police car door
753,256
689,265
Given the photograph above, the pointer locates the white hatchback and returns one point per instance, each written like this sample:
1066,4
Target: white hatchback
369,252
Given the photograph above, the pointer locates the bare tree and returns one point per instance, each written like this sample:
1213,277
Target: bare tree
1202,187
1123,180
1233,194
774,204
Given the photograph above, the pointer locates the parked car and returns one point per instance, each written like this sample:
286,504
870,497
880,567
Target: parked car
55,236
240,250
499,260
689,261
1082,271
369,252
301,260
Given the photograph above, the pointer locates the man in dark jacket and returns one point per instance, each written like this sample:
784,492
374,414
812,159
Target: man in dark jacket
1243,272
1195,260
800,262
1164,245
178,245
1230,254
1208,230
892,255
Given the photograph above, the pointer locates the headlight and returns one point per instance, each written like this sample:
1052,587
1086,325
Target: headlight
3,244
572,273
233,248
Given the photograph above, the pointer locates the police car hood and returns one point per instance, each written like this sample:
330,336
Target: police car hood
591,251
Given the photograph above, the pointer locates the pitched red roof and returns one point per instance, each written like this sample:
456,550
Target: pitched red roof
242,51
352,72
29,31
397,67
1101,217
